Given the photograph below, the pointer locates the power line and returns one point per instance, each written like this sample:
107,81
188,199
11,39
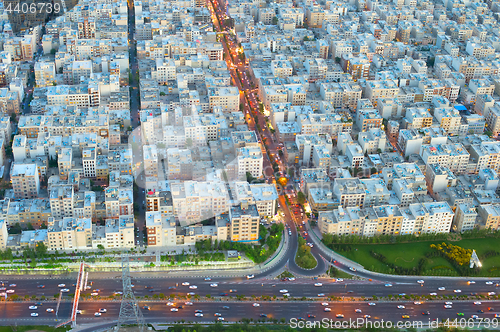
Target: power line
129,309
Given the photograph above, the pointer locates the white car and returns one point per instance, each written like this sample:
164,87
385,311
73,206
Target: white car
208,279
388,285
291,279
190,293
470,282
487,283
256,305
188,303
174,309
447,306
102,310
372,303
283,291
34,314
79,312
367,316
318,284
9,291
474,316
65,290
193,287
61,285
250,276
441,289
185,283
433,294
286,294
33,307
198,314
327,309
477,303
457,291
401,307
97,314
352,269
420,281
171,304
12,285
491,293
417,303
340,279
94,294
50,310
358,311
448,303
324,303
221,319
214,285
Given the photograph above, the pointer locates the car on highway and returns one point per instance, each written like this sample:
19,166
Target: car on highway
170,304
66,290
198,315
425,313
234,290
49,310
490,309
457,291
318,284
217,314
448,303
220,319
340,279
367,316
34,314
256,304
188,303
61,285
283,291
460,313
33,307
94,294
420,281
487,283
311,316
352,269
146,307
481,311
417,303
358,311
190,293
185,283
321,294
388,285
102,310
174,309
97,314
497,315
491,293
208,279
474,317
324,303
214,285
433,294
402,294
172,287
223,294
9,291
250,276
327,309
401,307
225,307
12,285
405,317
441,289
448,306
193,287
372,303
198,311
79,312
470,282
291,279
286,295
339,315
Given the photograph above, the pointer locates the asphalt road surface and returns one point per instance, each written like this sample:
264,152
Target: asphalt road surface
161,311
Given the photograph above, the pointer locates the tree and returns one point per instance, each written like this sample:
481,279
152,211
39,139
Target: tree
275,20
189,142
430,62
40,249
162,94
261,108
242,107
53,51
306,38
301,198
373,170
337,59
100,247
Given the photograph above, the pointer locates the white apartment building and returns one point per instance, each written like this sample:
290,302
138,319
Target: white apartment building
62,201
45,73
150,156
454,156
249,159
25,180
69,233
465,217
226,98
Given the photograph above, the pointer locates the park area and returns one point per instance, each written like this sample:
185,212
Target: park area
379,257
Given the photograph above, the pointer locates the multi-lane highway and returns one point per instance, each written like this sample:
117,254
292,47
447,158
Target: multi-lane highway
155,311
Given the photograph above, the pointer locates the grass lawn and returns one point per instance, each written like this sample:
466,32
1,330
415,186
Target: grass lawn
408,254
304,258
